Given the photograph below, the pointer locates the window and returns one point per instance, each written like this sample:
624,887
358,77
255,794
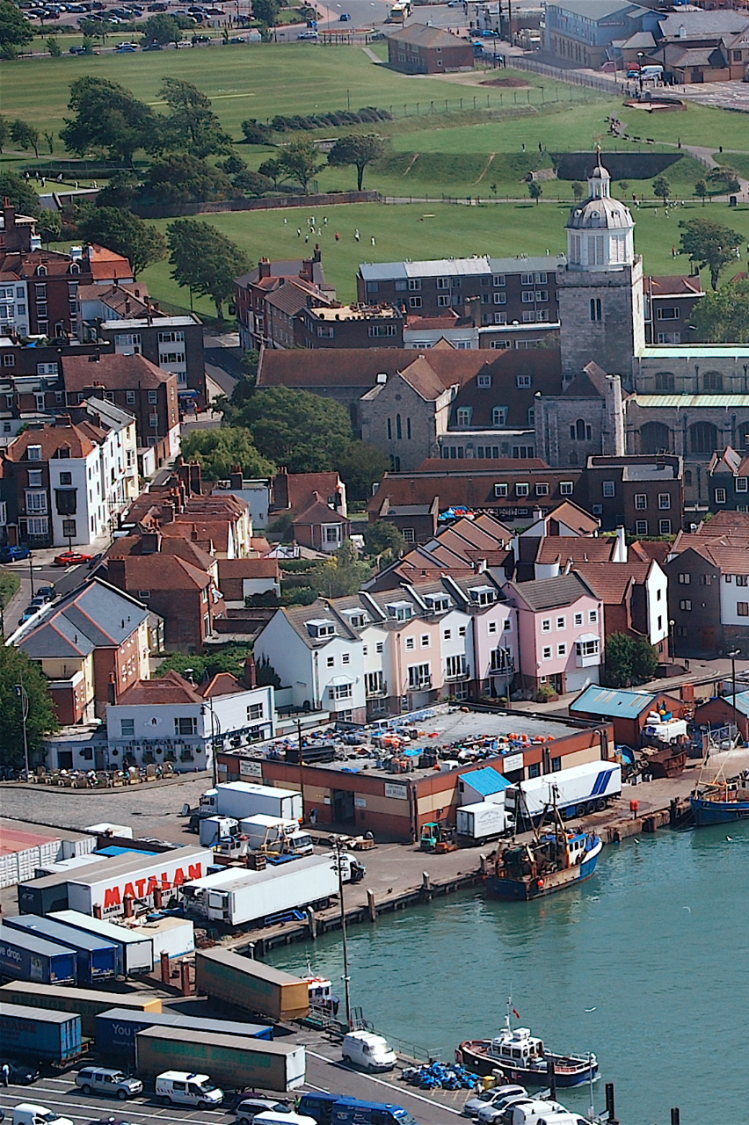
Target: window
499,416
595,309
581,431
462,631
455,667
542,295
526,279
380,647
523,380
668,313
565,488
712,381
609,489
527,298
742,580
492,627
410,643
685,604
37,526
742,609
522,489
501,298
546,652
414,283
593,616
499,280
562,650
443,300
447,634
346,658
341,691
546,625
255,711
127,728
706,580
664,381
35,478
578,619
741,484
185,725
501,318
463,415
641,501
561,622
414,302
425,640
34,453
720,495
9,361
36,502
419,677
685,579
664,527
500,490
69,529
664,501
484,381
330,662
586,648
542,490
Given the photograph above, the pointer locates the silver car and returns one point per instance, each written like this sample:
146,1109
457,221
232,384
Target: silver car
480,1101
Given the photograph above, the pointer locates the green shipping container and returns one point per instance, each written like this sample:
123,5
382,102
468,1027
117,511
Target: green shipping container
231,1061
250,985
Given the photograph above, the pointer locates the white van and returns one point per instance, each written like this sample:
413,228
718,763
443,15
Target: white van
532,1111
27,1114
563,1119
273,1117
369,1051
177,1087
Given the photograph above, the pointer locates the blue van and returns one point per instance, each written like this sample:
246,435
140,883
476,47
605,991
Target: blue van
330,1109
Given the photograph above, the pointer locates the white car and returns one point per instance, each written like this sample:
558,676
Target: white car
487,1098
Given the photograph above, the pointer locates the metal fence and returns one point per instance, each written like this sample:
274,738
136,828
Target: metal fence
572,77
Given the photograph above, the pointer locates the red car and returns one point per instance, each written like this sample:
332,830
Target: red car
71,558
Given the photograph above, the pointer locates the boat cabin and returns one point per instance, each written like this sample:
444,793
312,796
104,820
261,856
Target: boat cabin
517,1046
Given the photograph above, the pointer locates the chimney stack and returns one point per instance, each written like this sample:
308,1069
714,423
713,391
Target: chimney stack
250,673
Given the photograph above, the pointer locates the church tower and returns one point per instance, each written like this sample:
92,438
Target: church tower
600,287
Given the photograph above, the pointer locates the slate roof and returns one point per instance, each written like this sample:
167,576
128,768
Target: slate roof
425,35
551,593
96,615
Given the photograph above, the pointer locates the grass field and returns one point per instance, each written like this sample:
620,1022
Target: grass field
440,230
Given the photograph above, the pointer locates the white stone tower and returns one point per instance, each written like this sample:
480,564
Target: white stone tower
600,287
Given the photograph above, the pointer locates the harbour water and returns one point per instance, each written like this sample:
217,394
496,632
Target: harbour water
647,964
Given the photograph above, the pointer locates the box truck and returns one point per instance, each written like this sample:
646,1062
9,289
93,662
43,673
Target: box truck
116,1030
136,877
215,830
231,1060
576,791
84,1002
241,799
250,985
51,1037
485,820
237,897
275,835
96,959
135,950
25,956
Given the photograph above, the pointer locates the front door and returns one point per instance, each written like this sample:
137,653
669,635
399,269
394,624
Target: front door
343,806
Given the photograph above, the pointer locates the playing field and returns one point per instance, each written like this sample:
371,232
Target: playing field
436,231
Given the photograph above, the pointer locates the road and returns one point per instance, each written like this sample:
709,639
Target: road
324,1072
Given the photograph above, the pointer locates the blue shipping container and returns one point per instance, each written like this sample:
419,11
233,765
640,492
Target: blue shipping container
117,1028
96,958
40,1034
25,956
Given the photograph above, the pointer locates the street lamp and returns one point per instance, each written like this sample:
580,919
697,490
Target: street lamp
215,730
640,57
23,695
338,845
671,639
733,654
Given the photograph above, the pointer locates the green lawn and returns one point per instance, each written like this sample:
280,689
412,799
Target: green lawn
439,230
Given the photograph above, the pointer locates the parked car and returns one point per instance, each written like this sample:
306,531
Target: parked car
480,1101
46,592
200,39
126,49
153,47
248,1108
308,35
345,17
20,1074
71,558
103,1080
14,554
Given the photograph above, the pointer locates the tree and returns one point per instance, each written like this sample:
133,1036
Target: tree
54,47
50,141
535,191
49,226
700,190
253,184
361,466
303,431
230,659
181,178
629,660
273,171
16,668
25,136
725,179
710,245
357,150
341,575
661,188
14,29
107,116
232,165
205,261
255,133
4,131
217,451
266,11
578,190
624,186
300,160
120,191
125,233
384,537
162,29
723,317
192,124
21,195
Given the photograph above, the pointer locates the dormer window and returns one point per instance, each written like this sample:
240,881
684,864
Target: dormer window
400,611
438,603
75,268
321,629
41,271
484,381
34,453
483,595
355,618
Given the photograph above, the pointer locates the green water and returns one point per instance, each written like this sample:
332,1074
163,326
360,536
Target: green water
656,942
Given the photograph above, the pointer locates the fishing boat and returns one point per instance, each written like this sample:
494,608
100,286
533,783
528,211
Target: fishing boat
554,859
721,801
523,1058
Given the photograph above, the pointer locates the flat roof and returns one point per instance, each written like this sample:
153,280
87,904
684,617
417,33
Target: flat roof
437,267
706,351
683,402
156,321
19,835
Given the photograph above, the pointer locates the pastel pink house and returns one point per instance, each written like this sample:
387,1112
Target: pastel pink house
560,632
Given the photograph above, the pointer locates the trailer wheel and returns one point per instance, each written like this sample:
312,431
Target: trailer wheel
86,1089
122,1095
600,804
580,810
590,807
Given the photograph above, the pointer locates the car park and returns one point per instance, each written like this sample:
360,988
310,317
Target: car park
14,554
249,1108
71,558
20,1074
27,1113
104,1080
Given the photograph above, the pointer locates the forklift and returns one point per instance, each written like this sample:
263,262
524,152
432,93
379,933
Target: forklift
438,837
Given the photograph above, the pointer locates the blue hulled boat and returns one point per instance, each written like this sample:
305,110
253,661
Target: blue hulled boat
720,802
555,860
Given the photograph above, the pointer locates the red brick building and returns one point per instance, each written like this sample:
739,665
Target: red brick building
421,49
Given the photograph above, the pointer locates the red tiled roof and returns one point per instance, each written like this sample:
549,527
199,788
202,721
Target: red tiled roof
115,372
163,572
611,581
52,439
577,548
171,688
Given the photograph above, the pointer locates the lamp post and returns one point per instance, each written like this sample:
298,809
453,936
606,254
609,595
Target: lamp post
733,654
215,727
640,57
23,695
346,978
671,639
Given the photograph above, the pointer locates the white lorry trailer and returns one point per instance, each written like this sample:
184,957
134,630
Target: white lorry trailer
241,799
485,820
575,791
275,835
236,897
